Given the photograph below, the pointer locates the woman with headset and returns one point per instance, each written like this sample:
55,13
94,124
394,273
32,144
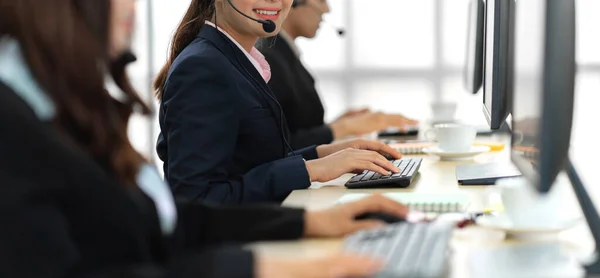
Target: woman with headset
295,87
224,137
76,199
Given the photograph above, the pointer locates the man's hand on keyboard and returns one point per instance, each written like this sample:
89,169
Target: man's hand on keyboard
359,144
341,219
336,266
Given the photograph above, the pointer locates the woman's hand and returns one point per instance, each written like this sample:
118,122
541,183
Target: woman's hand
360,144
353,112
334,222
335,266
368,122
348,161
340,220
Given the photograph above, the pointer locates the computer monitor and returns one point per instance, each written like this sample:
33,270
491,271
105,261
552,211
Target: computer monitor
543,103
497,80
543,93
473,70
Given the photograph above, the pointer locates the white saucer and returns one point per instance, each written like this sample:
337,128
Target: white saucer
525,260
446,155
501,222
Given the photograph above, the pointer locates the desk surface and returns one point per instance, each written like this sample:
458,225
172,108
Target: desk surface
435,176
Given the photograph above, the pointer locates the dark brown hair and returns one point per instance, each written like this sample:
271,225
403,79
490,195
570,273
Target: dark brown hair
65,43
186,32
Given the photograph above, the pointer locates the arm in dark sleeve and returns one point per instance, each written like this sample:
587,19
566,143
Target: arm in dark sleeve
308,153
282,85
201,123
317,135
205,224
35,240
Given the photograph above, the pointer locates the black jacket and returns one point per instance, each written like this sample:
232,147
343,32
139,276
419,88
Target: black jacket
295,89
221,129
62,215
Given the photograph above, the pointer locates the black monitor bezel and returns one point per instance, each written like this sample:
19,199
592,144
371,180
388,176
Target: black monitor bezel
558,97
473,70
502,57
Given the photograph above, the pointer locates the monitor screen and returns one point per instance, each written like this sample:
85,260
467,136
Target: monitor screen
529,63
544,39
473,71
497,80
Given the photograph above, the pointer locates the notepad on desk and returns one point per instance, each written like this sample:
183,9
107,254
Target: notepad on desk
424,202
412,147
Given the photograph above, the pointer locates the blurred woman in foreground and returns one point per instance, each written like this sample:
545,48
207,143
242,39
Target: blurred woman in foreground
76,200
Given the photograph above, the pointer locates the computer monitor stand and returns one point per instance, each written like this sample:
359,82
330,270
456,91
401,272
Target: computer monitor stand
591,216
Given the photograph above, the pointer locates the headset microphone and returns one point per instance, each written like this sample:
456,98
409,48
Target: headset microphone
268,25
339,31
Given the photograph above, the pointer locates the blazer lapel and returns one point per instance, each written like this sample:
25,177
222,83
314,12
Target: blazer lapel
241,62
235,56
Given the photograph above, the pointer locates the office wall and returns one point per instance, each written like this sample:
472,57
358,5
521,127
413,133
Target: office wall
398,56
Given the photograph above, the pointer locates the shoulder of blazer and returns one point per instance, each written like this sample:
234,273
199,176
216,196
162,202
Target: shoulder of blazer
206,54
15,112
213,51
221,43
8,98
280,49
236,56
281,55
202,59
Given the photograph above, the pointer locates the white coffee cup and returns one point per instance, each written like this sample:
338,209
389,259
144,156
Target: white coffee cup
443,112
452,137
523,205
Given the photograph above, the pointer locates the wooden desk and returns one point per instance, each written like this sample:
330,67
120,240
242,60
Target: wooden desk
435,176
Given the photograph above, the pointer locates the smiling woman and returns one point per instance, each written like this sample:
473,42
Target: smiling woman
223,135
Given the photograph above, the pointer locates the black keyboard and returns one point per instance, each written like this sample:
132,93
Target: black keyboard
394,132
408,250
409,167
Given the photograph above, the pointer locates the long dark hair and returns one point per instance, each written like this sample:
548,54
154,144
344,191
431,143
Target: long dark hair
65,44
186,32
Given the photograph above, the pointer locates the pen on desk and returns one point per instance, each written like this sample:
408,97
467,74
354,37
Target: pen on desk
471,218
487,211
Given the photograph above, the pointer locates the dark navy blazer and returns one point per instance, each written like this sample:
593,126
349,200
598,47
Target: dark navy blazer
295,89
221,134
